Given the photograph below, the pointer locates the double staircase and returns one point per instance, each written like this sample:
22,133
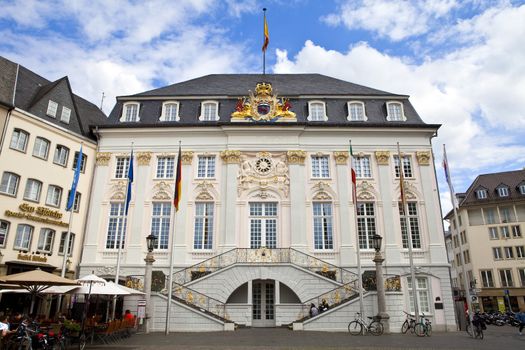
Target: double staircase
337,285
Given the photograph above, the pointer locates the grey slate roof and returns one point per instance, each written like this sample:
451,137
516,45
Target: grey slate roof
284,84
490,182
33,93
299,88
7,81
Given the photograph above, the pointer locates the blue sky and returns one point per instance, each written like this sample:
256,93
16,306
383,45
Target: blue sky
462,62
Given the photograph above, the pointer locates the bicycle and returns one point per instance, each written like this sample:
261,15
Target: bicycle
410,323
475,328
359,326
423,327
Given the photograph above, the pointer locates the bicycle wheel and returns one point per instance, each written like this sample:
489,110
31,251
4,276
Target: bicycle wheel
469,330
429,329
82,342
420,329
478,333
355,328
376,328
405,327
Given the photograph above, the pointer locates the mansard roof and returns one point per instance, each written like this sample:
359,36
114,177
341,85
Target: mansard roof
284,84
298,88
32,93
491,182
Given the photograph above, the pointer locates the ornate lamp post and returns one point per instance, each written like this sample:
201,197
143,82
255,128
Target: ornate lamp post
151,241
381,303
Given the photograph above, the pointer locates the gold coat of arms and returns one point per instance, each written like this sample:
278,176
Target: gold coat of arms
264,105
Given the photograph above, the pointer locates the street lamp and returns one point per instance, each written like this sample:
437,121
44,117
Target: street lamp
151,241
380,284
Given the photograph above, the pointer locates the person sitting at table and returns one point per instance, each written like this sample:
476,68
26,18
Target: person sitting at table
128,316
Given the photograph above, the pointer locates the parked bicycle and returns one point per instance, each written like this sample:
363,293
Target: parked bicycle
410,323
423,327
360,326
475,329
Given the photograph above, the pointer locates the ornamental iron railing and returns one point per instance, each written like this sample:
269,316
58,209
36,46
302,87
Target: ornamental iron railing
332,298
198,300
261,256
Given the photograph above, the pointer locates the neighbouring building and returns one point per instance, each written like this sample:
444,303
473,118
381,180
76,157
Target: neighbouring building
43,125
266,222
488,239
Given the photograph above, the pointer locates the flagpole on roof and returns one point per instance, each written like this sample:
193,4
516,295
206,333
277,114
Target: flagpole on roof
266,40
409,233
455,225
358,249
175,209
126,228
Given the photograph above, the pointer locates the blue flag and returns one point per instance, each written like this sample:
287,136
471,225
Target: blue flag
73,191
130,181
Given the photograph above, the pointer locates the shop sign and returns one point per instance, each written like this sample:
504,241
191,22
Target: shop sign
31,257
38,214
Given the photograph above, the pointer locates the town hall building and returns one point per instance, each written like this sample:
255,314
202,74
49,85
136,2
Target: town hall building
267,223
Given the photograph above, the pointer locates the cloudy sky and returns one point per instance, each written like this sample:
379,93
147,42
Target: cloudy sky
461,61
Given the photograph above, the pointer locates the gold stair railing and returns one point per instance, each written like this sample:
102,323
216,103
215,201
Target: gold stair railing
262,256
333,298
199,300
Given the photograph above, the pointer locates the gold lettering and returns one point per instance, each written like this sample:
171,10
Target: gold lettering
26,207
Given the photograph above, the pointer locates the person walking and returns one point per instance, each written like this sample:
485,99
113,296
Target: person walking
521,317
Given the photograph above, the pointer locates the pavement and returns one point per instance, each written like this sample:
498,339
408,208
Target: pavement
505,337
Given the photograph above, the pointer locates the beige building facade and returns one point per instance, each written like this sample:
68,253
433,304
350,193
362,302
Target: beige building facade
489,241
44,125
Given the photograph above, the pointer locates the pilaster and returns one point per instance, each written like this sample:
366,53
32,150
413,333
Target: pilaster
136,237
231,159
94,227
297,173
388,197
181,235
347,254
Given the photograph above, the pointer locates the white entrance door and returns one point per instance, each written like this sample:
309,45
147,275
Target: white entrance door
263,299
263,225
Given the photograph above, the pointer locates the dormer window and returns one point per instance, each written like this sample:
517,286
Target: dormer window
130,112
481,193
521,188
356,111
52,108
66,114
503,191
170,112
316,111
395,112
209,111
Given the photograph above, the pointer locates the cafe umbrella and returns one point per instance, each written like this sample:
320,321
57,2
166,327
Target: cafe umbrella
35,282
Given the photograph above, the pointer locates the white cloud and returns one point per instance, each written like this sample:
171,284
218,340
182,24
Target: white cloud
395,19
130,48
477,92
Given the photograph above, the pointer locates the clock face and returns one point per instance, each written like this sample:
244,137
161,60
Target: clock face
263,165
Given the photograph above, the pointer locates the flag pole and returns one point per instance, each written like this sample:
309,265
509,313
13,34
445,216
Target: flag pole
176,198
456,229
358,249
266,39
69,207
409,233
121,234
